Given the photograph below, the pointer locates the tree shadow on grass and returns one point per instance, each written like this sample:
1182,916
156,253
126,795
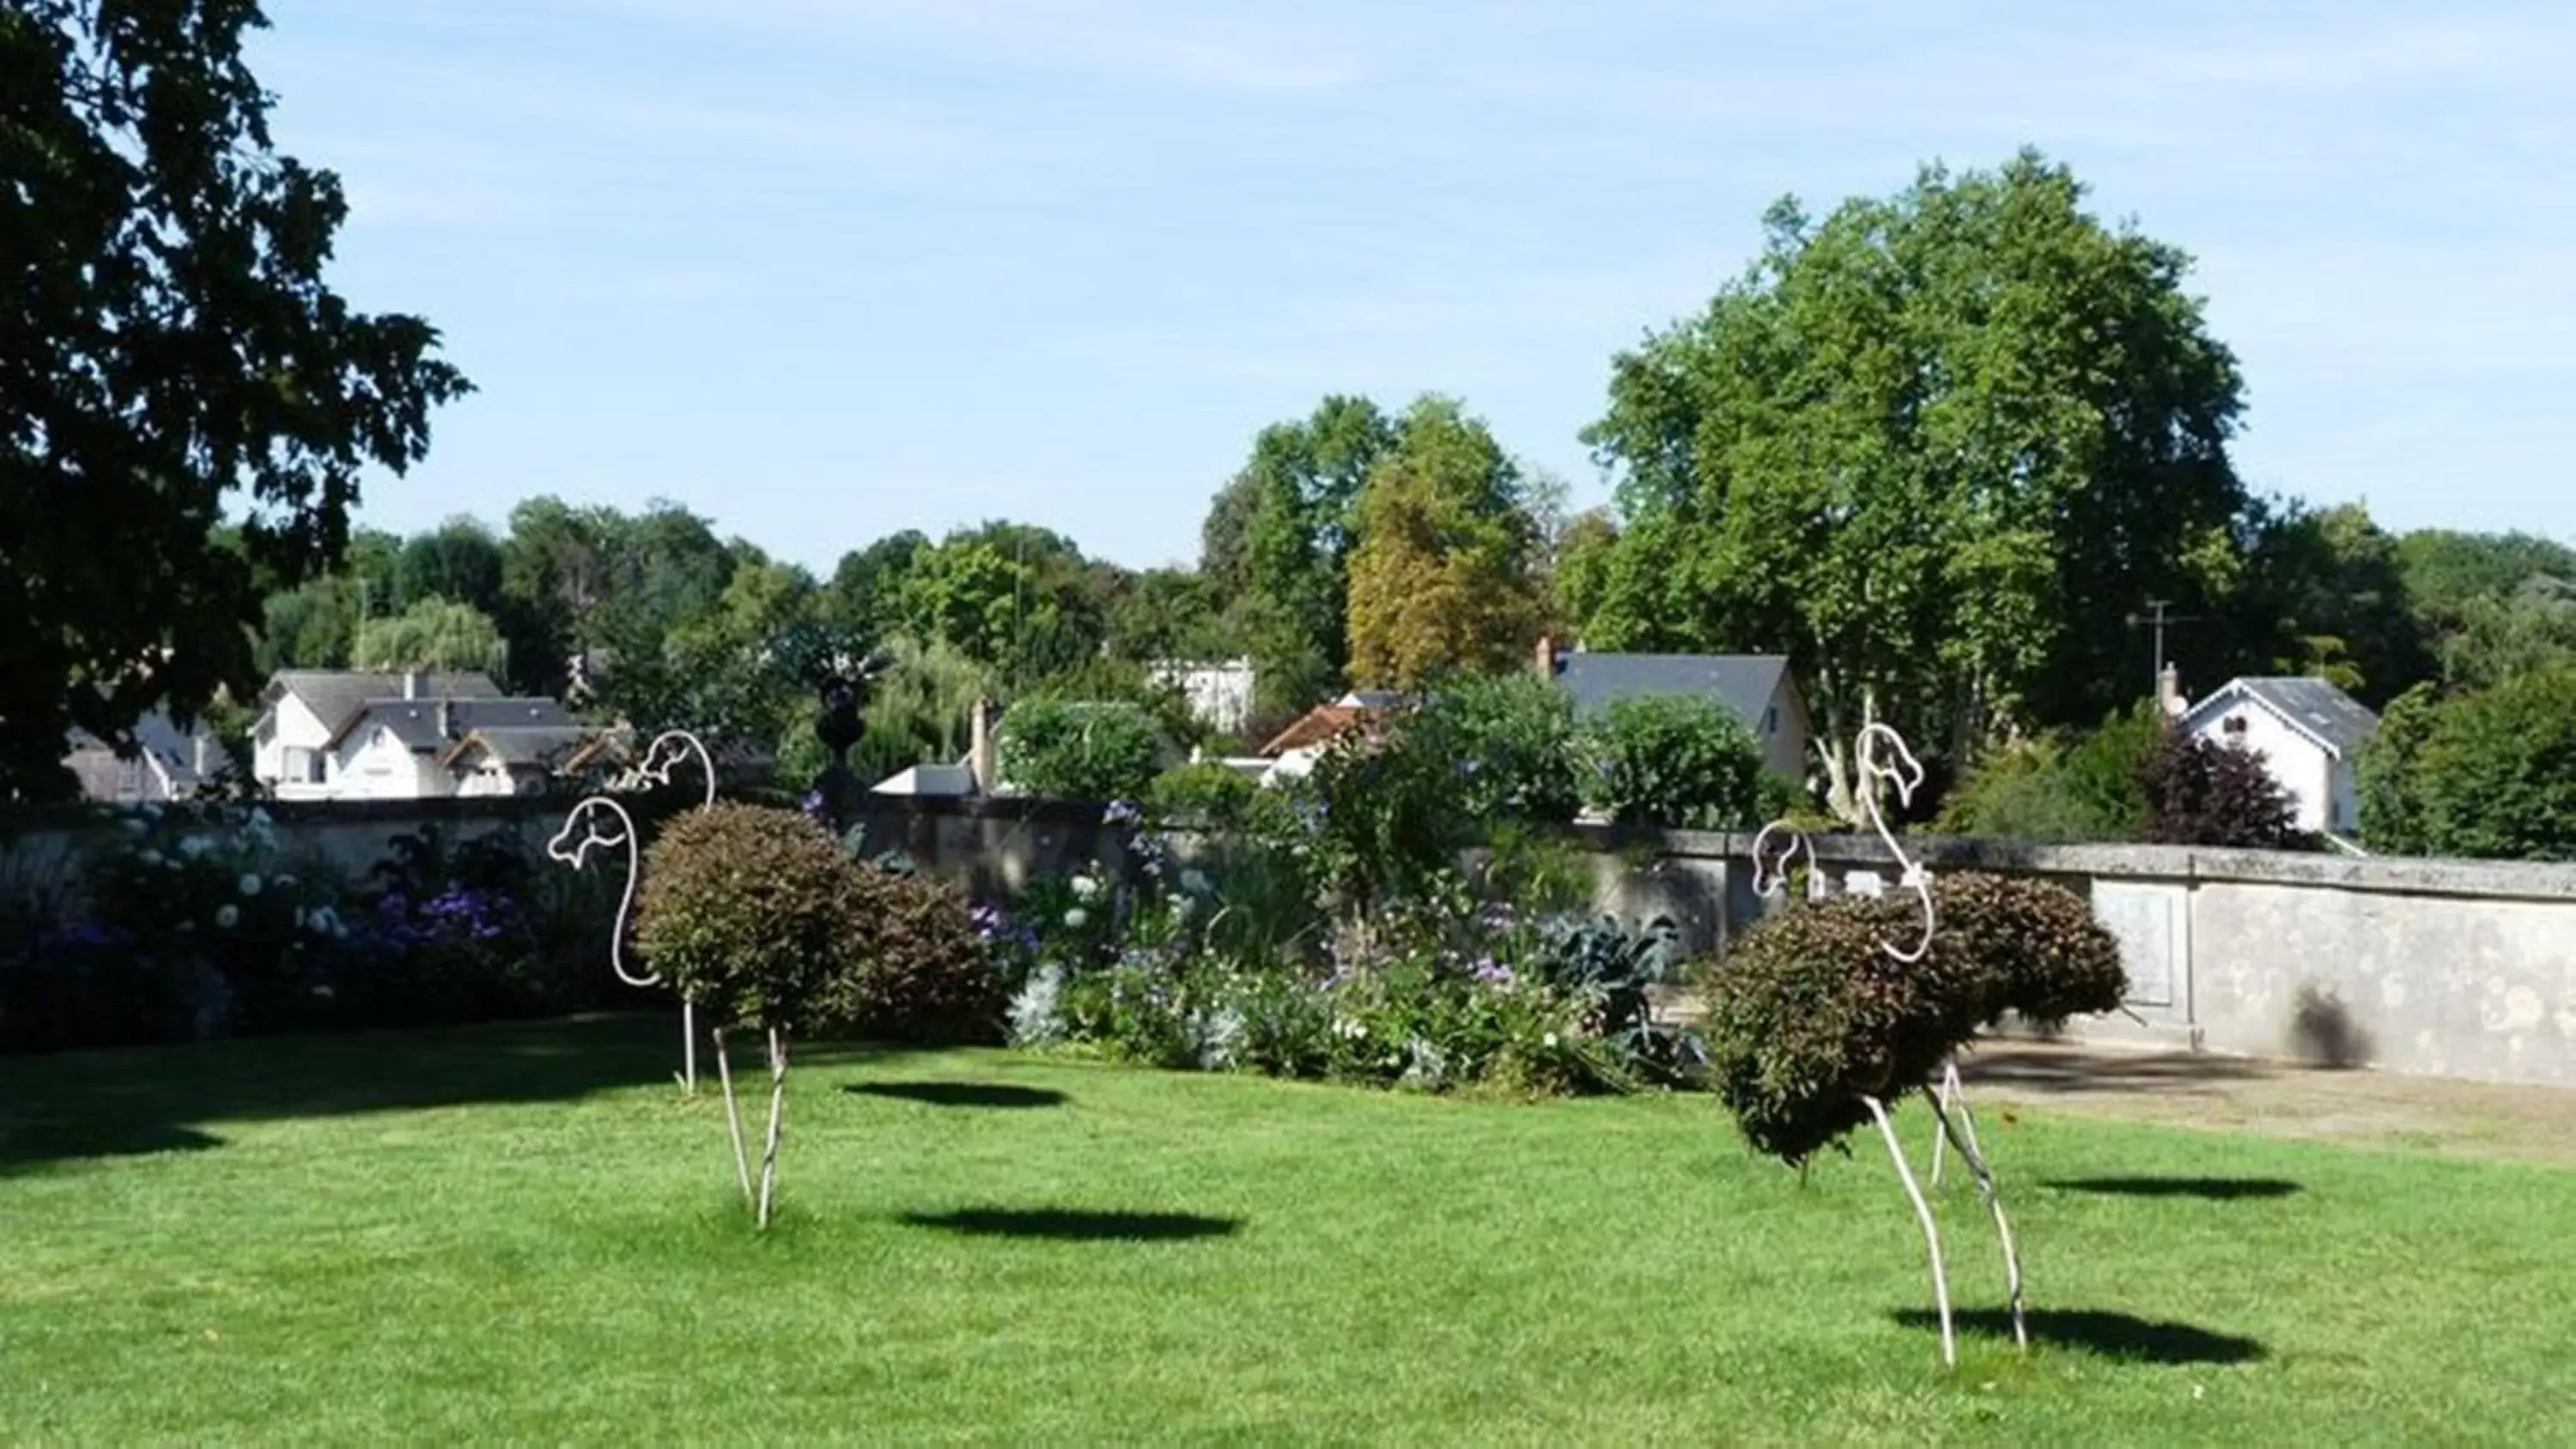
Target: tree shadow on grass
26,1146
2214,1189
2121,1336
123,1103
960,1094
1075,1225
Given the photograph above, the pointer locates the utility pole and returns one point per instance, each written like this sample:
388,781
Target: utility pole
2156,619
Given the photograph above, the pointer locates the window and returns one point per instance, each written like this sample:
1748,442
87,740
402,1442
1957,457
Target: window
303,767
2235,724
1771,720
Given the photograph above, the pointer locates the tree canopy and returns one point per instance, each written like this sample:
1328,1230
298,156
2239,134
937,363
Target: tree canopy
1936,448
1443,575
172,356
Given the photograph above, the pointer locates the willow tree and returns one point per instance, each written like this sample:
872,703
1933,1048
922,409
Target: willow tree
170,354
1936,448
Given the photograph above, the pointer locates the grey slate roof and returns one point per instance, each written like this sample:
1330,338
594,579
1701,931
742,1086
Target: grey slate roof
1744,683
2314,707
159,737
417,723
337,695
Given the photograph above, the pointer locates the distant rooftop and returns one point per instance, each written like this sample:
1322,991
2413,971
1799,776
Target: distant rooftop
2314,707
1744,683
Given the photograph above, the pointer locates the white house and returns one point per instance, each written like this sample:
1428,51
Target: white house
2309,733
334,735
1219,694
1757,689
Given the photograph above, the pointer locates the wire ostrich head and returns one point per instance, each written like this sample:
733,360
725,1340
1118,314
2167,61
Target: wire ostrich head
595,822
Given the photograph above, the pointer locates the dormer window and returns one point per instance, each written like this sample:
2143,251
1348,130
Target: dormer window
2235,724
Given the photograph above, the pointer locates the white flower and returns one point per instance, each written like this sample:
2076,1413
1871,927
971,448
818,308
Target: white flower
1548,1040
1076,918
132,825
323,922
249,884
195,846
228,915
284,882
1195,882
1084,887
150,858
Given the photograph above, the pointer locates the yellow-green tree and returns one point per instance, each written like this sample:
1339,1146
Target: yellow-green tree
1443,577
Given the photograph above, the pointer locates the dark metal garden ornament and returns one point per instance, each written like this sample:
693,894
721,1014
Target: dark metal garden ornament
1774,850
599,822
840,682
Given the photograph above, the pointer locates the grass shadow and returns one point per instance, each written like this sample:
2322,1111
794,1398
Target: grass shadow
1075,1225
29,1146
2213,1189
960,1094
137,1100
2106,1334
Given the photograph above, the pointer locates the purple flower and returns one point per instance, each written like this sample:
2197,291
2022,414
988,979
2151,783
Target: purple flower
1493,972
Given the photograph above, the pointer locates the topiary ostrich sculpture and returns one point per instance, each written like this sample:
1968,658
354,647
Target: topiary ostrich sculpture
1824,1014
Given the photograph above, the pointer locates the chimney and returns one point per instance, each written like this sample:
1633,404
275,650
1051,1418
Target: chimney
446,718
1546,656
204,745
979,748
412,683
2169,700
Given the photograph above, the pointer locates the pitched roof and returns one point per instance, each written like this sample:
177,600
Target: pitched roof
427,724
172,750
546,746
2313,707
336,695
1744,683
1314,728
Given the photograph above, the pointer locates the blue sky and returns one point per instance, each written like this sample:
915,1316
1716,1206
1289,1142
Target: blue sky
824,269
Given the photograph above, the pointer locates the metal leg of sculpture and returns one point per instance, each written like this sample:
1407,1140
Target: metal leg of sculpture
777,1105
1976,1160
688,1049
733,1119
1950,1092
1931,1230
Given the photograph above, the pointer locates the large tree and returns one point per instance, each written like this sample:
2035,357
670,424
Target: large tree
1303,481
1936,448
434,633
1443,578
169,352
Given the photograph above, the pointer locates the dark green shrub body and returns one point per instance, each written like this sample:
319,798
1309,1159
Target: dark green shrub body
750,913
919,971
1808,1011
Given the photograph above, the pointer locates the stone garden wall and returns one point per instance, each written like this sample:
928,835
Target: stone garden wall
2424,967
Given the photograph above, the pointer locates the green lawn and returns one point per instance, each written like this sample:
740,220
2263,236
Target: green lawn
523,1233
